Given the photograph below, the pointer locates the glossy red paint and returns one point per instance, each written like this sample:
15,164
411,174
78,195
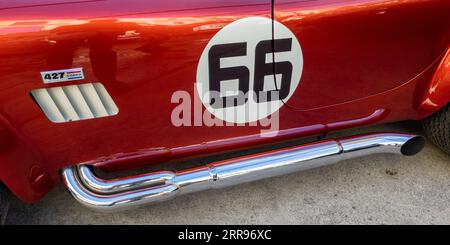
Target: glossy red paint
363,63
364,47
437,93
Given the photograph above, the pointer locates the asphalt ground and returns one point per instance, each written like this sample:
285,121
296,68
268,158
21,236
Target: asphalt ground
377,189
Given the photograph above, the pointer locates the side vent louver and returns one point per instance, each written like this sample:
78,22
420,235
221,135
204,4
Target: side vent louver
75,102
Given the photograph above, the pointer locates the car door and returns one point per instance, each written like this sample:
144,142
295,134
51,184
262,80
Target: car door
353,49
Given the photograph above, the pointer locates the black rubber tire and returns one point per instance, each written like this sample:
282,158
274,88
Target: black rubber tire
437,128
4,204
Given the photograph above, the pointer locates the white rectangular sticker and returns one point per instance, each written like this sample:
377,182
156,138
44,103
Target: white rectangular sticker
62,75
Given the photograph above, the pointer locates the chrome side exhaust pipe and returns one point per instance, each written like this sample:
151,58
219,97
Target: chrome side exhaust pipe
123,193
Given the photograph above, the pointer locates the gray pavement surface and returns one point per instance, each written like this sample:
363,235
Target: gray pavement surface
378,189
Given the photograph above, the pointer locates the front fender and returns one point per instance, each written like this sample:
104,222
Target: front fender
437,94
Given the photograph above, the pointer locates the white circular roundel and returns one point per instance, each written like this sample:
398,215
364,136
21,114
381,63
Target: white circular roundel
235,74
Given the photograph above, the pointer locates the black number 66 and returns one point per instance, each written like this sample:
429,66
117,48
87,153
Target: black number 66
242,73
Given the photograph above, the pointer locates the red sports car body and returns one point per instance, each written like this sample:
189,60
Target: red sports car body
356,62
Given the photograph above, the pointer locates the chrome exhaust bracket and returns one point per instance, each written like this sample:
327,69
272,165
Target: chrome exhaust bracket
124,193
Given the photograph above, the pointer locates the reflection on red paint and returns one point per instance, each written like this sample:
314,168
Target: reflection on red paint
363,63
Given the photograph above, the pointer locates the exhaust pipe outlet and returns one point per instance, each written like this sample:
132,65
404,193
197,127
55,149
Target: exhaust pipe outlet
108,195
413,146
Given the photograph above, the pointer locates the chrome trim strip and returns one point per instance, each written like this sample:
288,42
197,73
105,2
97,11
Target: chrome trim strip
123,193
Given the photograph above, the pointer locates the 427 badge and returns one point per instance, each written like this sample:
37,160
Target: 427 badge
62,75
